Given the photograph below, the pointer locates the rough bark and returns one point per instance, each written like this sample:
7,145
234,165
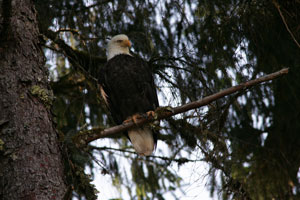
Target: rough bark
30,158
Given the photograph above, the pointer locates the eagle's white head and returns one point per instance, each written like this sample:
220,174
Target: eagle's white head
119,44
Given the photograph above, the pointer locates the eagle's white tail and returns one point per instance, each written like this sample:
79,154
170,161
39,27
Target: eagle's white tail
142,140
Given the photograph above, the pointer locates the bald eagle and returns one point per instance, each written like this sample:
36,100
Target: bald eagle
128,89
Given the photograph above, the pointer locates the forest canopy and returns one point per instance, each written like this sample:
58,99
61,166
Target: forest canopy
250,139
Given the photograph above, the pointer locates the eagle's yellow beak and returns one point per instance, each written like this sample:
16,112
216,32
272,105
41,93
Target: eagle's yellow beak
126,43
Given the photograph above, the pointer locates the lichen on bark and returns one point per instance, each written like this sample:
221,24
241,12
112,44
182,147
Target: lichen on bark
46,96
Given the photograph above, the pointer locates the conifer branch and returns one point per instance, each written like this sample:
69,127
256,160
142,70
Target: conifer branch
285,24
86,136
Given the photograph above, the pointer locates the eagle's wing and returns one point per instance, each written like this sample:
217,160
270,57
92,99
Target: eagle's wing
105,91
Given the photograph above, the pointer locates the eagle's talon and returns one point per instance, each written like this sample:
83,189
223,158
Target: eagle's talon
126,121
150,114
134,118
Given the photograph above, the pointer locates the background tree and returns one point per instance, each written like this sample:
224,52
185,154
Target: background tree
195,48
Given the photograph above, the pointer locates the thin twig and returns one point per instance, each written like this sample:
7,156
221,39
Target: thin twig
283,19
178,160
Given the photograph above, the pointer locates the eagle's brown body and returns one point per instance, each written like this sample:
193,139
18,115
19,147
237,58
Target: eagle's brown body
129,86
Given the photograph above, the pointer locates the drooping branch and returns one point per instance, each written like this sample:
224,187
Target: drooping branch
84,137
79,59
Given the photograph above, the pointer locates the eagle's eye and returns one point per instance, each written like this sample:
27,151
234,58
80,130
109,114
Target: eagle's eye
119,41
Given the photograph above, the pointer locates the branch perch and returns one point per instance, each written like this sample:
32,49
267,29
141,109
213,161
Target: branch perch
84,137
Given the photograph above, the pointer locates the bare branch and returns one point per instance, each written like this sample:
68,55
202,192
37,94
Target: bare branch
84,137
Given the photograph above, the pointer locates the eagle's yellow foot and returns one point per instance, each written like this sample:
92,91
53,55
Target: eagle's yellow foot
150,114
127,120
133,118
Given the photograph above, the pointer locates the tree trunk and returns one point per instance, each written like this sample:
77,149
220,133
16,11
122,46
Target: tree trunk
31,164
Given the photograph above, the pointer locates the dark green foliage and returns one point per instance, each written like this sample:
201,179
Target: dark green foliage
195,48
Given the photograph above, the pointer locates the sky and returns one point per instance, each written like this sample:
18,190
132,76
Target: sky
194,175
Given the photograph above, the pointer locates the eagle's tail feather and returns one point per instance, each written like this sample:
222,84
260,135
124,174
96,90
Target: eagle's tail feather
142,140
